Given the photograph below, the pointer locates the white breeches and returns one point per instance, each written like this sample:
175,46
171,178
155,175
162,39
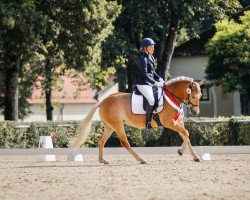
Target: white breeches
147,92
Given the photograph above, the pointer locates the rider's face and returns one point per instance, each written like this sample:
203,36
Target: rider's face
150,49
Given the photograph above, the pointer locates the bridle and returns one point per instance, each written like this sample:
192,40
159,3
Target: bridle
187,101
188,98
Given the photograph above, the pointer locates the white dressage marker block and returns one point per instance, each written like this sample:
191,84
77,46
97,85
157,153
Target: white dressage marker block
74,156
204,156
45,142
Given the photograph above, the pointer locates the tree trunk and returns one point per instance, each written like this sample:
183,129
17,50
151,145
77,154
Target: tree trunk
132,65
245,103
169,50
160,50
48,91
121,78
132,71
11,91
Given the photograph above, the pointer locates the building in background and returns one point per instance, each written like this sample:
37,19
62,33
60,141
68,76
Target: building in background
69,102
191,60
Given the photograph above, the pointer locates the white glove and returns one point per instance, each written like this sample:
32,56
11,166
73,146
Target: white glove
159,84
161,80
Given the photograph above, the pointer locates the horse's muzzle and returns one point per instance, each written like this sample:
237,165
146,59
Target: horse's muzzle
195,111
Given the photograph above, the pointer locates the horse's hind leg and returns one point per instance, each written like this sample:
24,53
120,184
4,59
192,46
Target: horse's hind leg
101,142
124,143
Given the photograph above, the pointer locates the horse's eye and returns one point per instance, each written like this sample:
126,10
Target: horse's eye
193,97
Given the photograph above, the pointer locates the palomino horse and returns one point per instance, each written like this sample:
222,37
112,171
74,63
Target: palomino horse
115,111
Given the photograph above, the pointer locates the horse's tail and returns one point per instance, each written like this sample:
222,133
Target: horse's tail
85,127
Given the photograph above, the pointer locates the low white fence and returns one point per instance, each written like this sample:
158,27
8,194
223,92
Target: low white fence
119,150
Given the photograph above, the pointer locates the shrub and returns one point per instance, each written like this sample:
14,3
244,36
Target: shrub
227,131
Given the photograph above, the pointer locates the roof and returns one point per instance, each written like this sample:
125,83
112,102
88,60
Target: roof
67,91
196,46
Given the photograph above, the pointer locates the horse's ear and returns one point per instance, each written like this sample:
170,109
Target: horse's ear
202,82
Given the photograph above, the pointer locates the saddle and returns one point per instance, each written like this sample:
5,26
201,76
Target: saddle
139,102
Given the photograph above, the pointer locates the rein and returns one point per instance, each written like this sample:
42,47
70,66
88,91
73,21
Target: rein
187,99
175,96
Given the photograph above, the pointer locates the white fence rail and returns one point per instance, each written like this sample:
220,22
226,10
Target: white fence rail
119,150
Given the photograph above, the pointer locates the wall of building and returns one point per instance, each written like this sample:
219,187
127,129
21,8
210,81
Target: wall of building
219,104
113,88
225,103
193,67
62,112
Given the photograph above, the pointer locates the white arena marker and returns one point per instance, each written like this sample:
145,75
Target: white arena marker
204,156
45,142
74,156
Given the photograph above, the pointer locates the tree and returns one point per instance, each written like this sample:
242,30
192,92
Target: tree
229,61
193,16
163,21
18,39
72,38
40,36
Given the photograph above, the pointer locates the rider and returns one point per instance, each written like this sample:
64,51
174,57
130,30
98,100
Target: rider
147,77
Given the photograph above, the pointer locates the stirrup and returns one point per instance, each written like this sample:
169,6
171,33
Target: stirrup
148,125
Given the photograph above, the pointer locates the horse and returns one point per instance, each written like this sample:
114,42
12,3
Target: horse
115,112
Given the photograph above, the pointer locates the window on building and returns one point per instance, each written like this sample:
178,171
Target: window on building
205,93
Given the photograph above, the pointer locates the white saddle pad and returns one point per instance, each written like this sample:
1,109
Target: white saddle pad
137,103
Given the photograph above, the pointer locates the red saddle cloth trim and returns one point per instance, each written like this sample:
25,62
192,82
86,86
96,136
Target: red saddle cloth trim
173,100
177,116
170,96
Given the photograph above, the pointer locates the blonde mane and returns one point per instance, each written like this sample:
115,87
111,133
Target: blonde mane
183,78
180,78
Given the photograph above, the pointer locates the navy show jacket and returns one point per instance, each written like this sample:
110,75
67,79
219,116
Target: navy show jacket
147,74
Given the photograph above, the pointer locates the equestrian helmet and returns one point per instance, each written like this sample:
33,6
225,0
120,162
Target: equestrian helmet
147,42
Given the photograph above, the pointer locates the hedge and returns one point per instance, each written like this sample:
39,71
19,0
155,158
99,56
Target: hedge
223,131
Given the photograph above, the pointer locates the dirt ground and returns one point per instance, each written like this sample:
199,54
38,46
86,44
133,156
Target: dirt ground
164,177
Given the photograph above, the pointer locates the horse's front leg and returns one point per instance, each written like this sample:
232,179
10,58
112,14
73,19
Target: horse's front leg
179,127
183,147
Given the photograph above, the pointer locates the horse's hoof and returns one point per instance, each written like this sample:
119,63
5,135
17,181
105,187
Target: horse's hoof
104,162
197,160
179,152
143,162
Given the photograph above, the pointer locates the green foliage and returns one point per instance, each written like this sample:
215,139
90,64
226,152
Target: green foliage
155,19
19,36
226,132
26,135
229,50
82,38
96,131
46,34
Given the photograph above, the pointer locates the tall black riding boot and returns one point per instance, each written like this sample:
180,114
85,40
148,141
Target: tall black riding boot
149,111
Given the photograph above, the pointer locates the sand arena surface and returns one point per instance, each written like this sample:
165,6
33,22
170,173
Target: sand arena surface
164,177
